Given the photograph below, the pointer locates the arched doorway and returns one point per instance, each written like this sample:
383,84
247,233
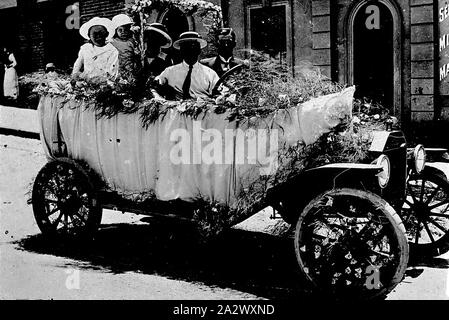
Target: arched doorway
374,52
176,22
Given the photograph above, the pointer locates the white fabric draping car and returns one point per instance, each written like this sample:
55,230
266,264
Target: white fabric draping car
132,159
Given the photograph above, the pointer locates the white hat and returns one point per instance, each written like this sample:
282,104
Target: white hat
189,36
121,20
97,21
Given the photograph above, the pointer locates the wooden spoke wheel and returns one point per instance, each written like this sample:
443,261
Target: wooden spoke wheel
351,244
426,213
65,201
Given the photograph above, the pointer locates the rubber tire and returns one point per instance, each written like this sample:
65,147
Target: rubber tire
95,209
390,213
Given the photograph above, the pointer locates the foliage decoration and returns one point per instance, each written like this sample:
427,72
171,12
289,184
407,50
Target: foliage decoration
209,14
255,93
108,97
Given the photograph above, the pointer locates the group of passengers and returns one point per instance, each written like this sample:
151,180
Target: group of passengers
112,51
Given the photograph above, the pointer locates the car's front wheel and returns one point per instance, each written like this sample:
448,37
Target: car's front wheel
426,213
351,244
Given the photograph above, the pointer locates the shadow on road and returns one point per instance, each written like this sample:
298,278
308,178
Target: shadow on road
256,263
435,262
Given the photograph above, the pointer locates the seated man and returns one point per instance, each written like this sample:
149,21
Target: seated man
155,38
189,79
225,59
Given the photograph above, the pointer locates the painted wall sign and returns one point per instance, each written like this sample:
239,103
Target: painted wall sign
443,46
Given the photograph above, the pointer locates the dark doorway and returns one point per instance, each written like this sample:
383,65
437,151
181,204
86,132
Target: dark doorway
373,53
176,22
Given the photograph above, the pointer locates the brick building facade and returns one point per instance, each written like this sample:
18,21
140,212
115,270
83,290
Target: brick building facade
393,50
105,8
42,31
38,33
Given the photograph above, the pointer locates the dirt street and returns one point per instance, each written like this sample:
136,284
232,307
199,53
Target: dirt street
136,257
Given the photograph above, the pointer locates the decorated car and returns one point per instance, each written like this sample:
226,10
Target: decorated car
216,163
265,139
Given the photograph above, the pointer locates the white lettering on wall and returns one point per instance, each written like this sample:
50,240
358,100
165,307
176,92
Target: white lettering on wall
444,41
444,13
443,71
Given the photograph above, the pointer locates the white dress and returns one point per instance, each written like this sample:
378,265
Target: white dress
96,61
11,82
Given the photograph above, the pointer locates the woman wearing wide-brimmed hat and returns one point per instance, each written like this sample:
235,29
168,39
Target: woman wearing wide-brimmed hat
97,57
156,38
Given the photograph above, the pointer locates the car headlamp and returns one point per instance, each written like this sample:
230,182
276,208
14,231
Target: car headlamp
419,155
384,176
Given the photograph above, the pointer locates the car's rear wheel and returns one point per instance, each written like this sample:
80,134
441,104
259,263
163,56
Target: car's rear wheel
351,244
65,202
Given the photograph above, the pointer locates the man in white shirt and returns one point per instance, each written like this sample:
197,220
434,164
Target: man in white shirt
189,79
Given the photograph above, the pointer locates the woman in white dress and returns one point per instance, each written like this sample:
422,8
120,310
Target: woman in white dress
97,58
10,81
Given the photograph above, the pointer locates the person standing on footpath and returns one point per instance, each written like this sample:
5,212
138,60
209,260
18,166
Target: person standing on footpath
10,81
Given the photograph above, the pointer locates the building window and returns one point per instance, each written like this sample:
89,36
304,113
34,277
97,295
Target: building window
269,31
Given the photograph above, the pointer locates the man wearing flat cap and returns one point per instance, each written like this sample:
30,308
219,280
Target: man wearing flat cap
189,79
224,60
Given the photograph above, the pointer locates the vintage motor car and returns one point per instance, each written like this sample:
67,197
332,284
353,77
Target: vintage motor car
349,241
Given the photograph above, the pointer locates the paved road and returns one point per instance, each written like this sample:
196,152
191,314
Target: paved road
134,257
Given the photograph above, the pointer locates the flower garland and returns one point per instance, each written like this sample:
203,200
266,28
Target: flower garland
189,7
107,97
140,10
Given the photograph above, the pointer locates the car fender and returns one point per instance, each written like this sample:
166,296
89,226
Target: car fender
301,189
437,169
